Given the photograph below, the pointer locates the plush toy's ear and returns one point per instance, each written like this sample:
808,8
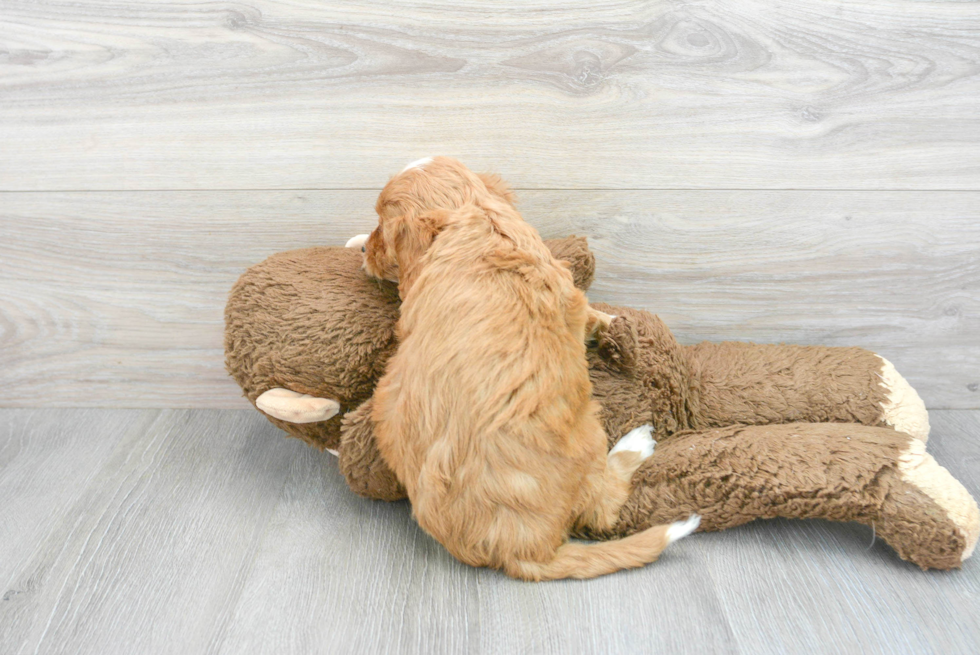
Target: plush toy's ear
287,405
575,251
496,185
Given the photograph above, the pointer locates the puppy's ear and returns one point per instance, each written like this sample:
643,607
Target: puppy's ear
496,185
412,238
434,222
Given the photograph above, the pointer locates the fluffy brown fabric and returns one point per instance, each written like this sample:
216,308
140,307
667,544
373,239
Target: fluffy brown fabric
361,462
311,321
761,384
647,375
833,471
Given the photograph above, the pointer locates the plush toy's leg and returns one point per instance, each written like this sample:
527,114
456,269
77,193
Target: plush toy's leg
834,471
760,384
908,520
719,384
294,407
360,460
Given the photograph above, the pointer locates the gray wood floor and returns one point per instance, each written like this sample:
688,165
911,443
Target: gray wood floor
187,531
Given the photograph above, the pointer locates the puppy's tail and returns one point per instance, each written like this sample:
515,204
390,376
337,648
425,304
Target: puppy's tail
592,560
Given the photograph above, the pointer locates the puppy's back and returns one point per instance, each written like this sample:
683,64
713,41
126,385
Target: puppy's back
489,396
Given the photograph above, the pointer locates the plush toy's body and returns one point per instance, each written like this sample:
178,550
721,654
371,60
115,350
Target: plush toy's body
744,431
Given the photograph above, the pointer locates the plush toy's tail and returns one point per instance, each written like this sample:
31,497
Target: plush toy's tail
592,560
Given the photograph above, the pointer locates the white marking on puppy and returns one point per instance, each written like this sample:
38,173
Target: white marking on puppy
638,440
681,529
287,405
357,242
332,452
418,163
903,409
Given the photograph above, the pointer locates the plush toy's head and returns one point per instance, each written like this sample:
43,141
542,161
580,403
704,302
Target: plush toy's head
313,322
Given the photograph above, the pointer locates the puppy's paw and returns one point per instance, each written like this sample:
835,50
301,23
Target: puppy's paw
681,529
639,440
287,405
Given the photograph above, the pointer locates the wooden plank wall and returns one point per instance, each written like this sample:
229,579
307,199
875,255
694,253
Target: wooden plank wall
807,171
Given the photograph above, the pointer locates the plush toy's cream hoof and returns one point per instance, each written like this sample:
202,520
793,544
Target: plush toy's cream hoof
918,468
903,409
293,407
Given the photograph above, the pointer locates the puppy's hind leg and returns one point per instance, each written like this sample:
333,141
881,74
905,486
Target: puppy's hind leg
612,486
638,440
604,499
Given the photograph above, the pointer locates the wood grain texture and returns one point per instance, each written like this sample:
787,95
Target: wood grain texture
896,273
807,586
207,531
154,550
45,469
116,299
870,94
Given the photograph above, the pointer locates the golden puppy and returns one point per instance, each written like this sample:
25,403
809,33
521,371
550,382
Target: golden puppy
485,411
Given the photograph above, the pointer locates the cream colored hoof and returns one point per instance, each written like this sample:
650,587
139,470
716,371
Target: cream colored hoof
358,241
287,405
903,409
919,469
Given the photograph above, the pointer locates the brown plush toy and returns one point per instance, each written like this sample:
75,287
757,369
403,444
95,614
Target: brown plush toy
744,431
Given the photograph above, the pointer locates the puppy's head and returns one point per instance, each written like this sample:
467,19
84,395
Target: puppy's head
415,206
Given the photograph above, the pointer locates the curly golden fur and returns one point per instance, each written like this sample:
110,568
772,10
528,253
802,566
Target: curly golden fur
485,411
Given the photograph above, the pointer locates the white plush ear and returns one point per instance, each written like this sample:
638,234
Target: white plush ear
358,241
287,405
